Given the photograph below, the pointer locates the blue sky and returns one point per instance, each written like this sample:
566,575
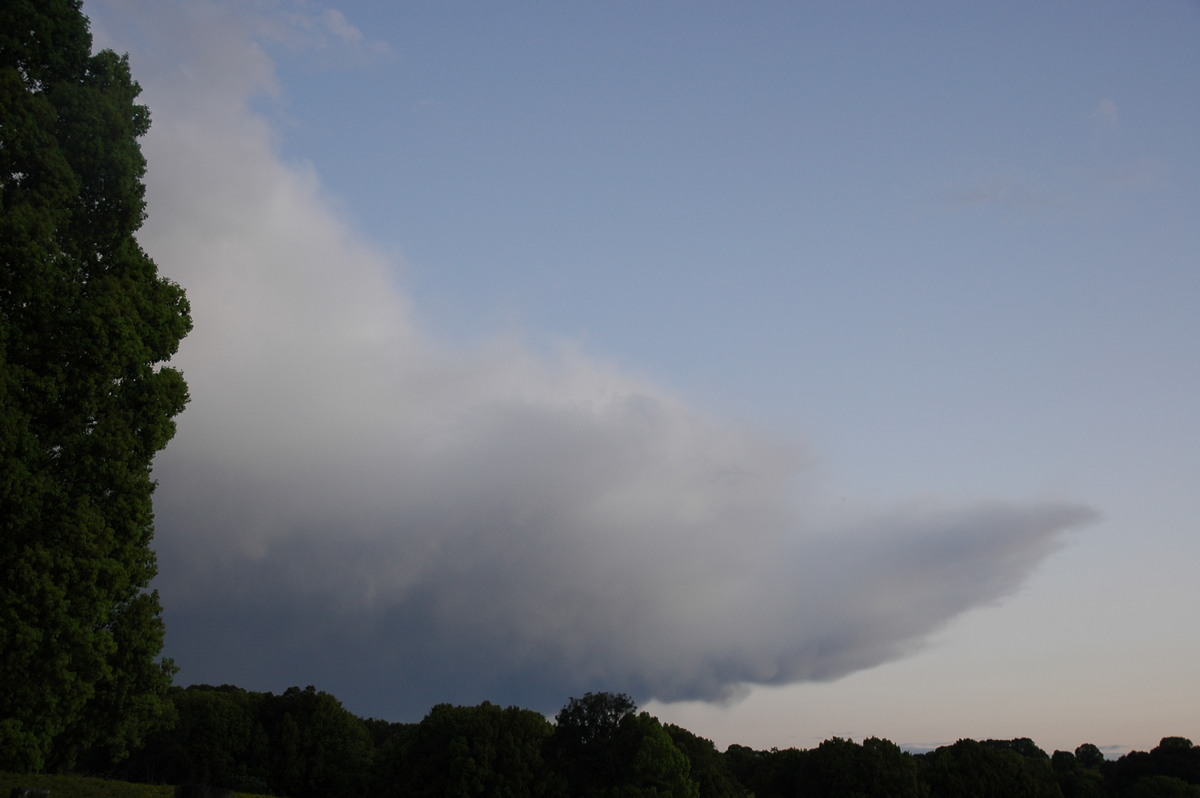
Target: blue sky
832,367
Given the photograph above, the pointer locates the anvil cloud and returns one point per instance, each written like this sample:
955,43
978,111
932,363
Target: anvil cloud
355,503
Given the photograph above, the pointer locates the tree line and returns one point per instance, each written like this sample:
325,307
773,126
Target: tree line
304,743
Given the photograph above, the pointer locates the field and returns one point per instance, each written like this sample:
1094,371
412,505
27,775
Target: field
64,786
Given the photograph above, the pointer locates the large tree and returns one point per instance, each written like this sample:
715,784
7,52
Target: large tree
476,751
603,748
86,324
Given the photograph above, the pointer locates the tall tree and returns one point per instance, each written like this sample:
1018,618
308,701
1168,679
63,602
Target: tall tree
317,746
588,747
476,751
602,748
86,323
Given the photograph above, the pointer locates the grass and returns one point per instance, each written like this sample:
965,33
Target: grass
67,786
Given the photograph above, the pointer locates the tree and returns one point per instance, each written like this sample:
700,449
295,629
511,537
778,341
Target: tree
1077,774
658,769
991,769
586,745
1163,787
602,747
1175,757
217,739
1089,756
476,751
86,324
1022,745
766,774
708,768
317,746
842,768
389,741
593,719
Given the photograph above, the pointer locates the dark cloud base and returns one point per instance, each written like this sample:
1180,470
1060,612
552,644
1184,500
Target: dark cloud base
809,607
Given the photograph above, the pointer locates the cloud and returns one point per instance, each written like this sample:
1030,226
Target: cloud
1007,190
335,22
301,27
355,504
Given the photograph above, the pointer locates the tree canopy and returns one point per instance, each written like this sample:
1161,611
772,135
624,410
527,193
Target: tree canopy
86,324
603,747
476,751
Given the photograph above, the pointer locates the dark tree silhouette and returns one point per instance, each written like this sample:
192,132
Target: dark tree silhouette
86,323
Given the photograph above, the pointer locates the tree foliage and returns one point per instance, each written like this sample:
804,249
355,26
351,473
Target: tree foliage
840,768
476,751
603,747
993,768
302,743
318,747
218,738
587,745
1174,761
657,768
708,768
86,323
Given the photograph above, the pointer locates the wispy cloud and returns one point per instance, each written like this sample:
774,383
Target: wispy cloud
1005,190
303,26
355,504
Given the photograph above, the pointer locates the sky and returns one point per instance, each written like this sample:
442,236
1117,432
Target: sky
801,369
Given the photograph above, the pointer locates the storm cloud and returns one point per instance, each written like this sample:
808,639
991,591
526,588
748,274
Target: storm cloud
353,503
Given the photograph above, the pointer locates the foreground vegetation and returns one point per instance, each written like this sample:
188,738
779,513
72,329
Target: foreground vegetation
303,743
63,785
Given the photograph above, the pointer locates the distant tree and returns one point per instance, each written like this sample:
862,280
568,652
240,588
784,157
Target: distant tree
389,742
837,768
1063,762
384,732
601,747
1174,757
657,769
1159,786
86,323
594,719
218,739
463,752
317,747
992,770
1089,756
586,745
840,768
1075,780
1022,745
766,774
708,768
